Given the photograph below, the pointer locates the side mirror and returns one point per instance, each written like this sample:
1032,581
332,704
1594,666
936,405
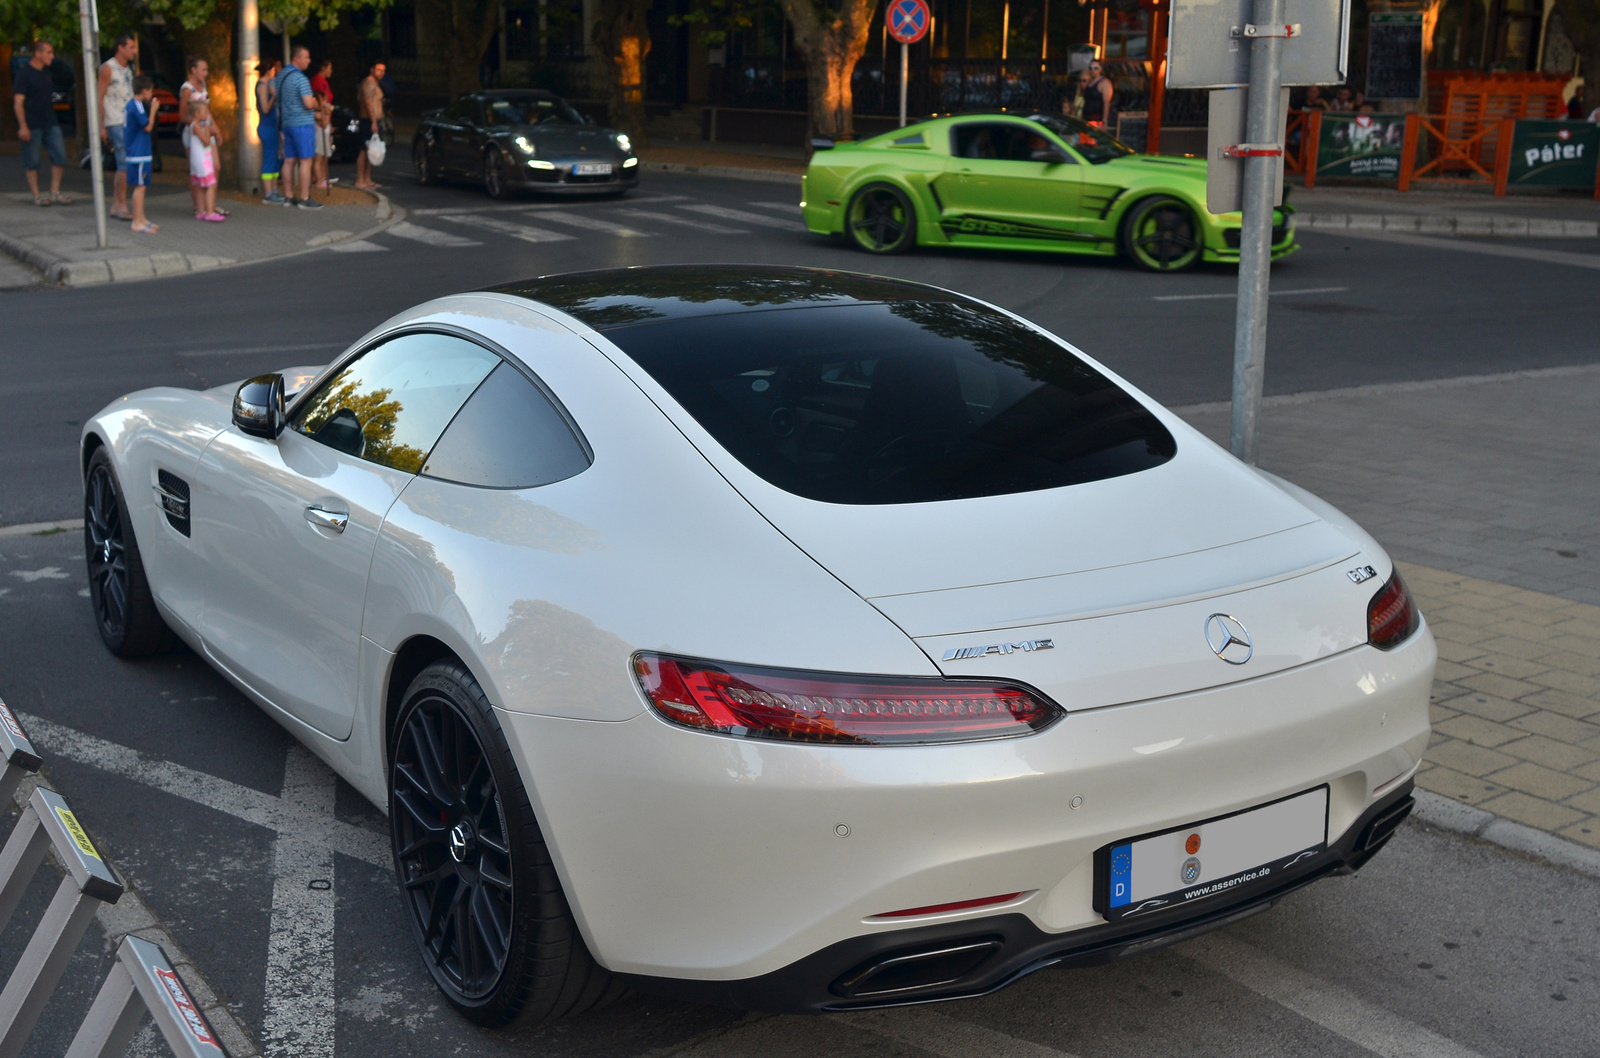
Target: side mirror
1049,155
258,406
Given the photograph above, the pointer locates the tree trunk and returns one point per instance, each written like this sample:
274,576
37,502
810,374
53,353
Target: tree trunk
212,41
344,50
463,29
832,42
622,33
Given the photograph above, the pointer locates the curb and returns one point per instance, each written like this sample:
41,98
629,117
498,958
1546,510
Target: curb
154,266
769,176
1436,224
1447,814
40,528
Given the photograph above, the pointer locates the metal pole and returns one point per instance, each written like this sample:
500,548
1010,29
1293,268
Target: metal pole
89,22
249,59
1255,235
905,69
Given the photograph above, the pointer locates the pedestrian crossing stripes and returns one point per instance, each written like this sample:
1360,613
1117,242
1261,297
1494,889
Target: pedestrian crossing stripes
525,232
683,222
547,223
748,218
431,236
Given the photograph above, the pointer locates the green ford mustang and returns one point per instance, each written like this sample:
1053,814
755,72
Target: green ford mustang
999,181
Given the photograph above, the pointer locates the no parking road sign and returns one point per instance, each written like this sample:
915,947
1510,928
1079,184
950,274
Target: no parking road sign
908,20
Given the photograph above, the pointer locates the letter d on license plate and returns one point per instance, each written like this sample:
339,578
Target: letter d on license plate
1215,857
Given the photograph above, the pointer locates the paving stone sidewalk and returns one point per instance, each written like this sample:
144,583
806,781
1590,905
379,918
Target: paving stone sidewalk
1516,702
59,241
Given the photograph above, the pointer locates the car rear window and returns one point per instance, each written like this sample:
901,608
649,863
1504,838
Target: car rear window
899,402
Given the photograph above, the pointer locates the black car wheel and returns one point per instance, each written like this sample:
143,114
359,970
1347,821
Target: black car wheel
881,219
124,611
422,164
480,890
1161,234
495,179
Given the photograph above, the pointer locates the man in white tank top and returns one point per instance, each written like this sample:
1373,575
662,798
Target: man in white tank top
116,88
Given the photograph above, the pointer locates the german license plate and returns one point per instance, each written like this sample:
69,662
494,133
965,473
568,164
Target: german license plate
592,169
1174,867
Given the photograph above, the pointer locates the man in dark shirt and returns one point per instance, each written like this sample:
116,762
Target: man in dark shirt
32,97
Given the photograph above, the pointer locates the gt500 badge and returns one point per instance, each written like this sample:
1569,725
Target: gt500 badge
965,653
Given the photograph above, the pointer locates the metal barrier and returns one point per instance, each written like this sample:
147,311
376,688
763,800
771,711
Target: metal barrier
142,978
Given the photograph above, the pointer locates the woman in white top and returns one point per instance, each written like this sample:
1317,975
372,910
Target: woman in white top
194,91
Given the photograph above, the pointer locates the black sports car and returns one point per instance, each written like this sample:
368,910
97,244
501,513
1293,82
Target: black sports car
518,138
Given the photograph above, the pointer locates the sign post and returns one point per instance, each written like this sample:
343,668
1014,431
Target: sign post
1252,44
89,115
908,22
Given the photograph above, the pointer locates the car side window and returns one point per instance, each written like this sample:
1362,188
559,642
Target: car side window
508,436
390,405
461,110
1003,141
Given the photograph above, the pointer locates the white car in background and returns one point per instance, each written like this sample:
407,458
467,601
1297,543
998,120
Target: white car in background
771,637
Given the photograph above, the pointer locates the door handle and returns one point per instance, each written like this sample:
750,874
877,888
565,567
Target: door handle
324,519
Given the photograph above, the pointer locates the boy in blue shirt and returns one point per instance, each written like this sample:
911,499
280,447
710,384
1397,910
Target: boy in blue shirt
141,120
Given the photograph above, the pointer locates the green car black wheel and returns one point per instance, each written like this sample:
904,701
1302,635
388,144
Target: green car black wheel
1161,234
881,220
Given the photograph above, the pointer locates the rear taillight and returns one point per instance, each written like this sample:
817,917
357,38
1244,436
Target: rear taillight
823,707
1391,615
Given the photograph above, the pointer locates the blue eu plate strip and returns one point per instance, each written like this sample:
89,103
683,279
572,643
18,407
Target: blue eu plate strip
1121,875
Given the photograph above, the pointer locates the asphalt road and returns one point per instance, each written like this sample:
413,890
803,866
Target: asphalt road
1346,311
1441,947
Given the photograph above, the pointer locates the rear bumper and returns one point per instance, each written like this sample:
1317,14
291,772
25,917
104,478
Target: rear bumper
972,958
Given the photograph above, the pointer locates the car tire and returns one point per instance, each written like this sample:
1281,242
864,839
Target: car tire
496,180
125,612
485,864
1162,234
422,164
881,219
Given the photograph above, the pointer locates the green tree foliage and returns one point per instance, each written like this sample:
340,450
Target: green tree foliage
717,20
377,414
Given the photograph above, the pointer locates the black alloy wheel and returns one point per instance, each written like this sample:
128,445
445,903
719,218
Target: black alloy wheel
485,906
124,612
881,219
496,181
421,163
1161,234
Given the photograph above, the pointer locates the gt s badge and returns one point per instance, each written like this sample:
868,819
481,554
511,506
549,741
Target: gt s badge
1361,574
965,653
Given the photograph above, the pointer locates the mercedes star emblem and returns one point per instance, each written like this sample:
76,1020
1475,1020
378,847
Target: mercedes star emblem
1228,639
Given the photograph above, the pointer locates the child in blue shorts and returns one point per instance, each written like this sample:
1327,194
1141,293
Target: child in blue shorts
141,121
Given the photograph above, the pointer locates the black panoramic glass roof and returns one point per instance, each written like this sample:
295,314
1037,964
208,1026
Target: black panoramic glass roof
861,390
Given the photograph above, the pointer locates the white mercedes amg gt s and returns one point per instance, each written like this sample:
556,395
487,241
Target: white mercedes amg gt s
780,638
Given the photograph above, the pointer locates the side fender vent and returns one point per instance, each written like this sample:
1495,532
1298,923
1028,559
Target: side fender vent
172,492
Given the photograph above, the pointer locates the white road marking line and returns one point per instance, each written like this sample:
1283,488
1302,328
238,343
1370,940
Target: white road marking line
360,246
240,802
1380,1031
525,232
578,220
299,1017
522,207
748,218
785,207
417,233
28,576
1524,253
1234,294
943,1035
668,218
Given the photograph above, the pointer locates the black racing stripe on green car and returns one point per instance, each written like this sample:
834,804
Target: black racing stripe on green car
969,224
1111,201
